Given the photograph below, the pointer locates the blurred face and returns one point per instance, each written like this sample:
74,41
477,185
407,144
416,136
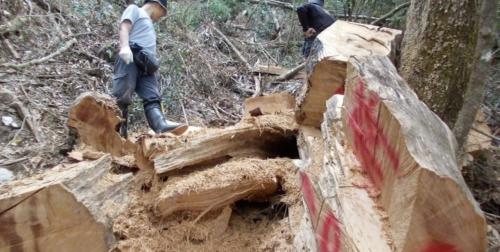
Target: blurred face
159,12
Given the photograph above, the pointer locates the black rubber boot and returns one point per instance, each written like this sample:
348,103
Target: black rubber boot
124,124
157,122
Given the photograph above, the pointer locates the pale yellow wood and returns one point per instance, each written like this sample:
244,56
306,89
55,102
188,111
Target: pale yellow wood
256,136
96,117
326,66
219,186
419,187
69,208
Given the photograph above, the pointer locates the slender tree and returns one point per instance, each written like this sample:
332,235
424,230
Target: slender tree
445,56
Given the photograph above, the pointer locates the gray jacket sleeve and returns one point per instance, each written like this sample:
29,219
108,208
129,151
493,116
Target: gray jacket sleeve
131,13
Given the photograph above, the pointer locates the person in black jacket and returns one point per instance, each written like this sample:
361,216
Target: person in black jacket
314,19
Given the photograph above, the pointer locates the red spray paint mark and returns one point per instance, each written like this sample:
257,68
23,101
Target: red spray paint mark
339,90
330,228
327,230
368,136
436,246
308,193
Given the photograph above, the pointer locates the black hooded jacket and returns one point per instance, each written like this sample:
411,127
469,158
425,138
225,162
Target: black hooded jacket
314,16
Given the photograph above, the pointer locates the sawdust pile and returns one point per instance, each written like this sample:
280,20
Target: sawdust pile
261,225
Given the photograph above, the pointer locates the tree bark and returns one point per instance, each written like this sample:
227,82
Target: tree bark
480,73
438,52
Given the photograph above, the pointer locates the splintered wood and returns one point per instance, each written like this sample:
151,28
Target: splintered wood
70,208
221,185
242,140
390,172
326,66
96,118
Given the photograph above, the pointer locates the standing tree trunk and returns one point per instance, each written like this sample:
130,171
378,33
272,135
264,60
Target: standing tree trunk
438,52
480,72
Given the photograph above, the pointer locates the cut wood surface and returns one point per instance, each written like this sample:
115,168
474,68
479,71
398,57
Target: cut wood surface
244,139
326,65
341,186
96,117
270,104
221,185
408,157
70,208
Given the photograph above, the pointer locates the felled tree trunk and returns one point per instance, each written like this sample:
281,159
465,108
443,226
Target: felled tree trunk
438,53
391,175
242,140
70,208
326,66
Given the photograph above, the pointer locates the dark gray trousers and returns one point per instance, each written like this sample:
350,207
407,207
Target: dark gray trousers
127,78
306,48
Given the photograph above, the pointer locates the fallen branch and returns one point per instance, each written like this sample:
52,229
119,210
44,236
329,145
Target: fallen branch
43,59
233,47
258,86
25,115
486,134
12,50
11,162
391,13
288,75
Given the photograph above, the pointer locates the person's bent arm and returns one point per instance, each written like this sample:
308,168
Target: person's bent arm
303,17
125,52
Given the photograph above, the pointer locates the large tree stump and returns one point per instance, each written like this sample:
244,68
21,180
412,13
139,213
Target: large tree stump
326,66
96,118
407,157
70,208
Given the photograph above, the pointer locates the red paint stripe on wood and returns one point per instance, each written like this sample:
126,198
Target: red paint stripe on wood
330,234
368,136
436,246
309,197
339,90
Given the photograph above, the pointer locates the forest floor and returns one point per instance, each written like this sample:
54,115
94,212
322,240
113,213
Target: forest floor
202,84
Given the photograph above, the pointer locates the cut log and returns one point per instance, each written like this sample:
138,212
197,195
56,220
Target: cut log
326,66
96,118
406,156
270,104
363,223
70,208
242,140
219,186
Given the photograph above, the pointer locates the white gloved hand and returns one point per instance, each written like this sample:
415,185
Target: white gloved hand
126,55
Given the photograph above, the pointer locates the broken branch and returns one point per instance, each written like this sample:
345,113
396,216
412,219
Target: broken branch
25,115
233,47
390,13
43,59
291,73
